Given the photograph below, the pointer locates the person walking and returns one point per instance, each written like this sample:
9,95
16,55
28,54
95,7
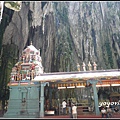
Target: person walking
74,111
64,104
70,107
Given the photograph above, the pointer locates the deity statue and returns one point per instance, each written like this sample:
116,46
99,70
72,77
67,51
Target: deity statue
90,66
95,66
84,69
78,66
23,106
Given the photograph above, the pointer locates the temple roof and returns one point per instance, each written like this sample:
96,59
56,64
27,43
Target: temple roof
103,75
32,48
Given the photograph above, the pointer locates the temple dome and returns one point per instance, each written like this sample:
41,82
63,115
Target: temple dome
28,66
31,48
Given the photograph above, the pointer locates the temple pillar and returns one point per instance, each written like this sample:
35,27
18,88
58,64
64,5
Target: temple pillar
42,99
94,82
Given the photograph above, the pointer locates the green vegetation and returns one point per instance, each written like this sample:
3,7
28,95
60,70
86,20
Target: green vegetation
109,53
7,62
14,4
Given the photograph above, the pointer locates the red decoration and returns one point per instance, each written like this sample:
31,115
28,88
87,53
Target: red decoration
32,67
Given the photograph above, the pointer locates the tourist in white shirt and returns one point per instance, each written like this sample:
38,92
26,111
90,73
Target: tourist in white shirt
74,111
104,112
64,104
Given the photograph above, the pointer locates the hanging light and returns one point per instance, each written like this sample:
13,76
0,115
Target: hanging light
71,87
84,84
115,84
58,85
66,85
61,86
102,85
79,85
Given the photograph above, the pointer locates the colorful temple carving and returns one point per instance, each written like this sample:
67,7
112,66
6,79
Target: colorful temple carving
28,66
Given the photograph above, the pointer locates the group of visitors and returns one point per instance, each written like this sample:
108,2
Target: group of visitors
71,107
108,111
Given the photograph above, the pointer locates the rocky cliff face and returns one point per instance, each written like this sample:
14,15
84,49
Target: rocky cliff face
67,33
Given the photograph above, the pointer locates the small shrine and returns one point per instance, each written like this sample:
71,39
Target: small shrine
24,94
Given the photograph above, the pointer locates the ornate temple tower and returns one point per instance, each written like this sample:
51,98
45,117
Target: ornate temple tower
24,94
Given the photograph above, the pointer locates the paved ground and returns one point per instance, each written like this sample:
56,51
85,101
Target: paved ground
82,116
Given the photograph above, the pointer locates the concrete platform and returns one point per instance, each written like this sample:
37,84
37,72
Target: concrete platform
82,116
